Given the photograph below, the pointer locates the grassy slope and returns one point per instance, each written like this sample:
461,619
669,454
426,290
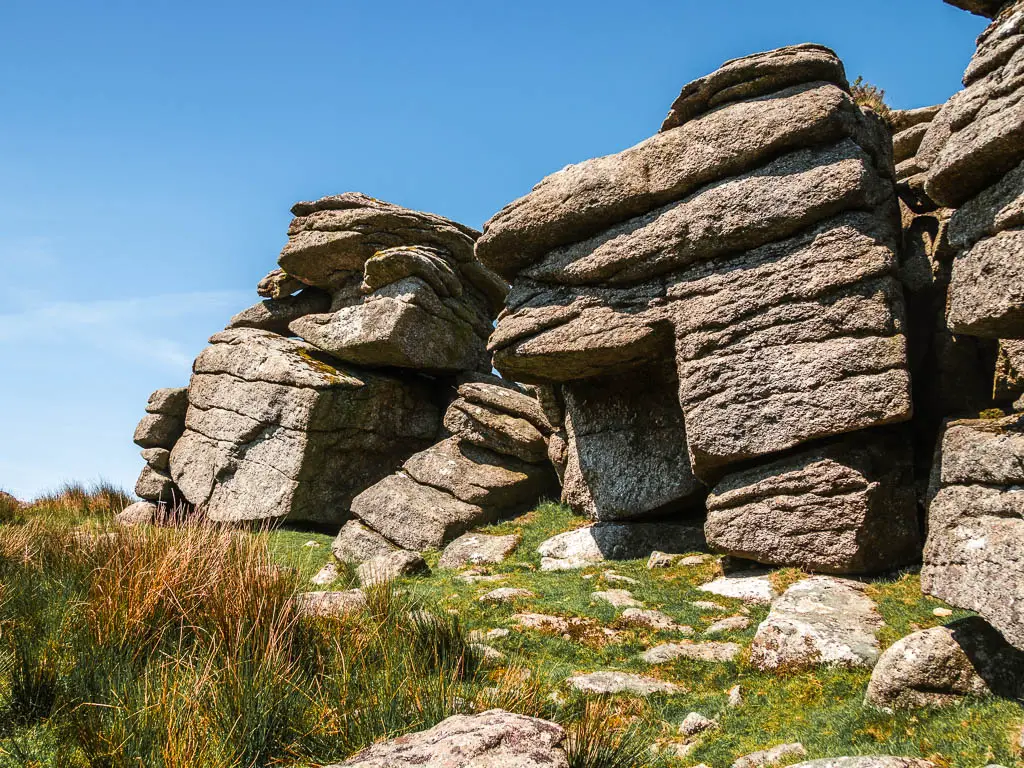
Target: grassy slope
822,709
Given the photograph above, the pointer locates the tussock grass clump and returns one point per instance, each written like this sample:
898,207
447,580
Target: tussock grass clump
79,502
184,646
871,96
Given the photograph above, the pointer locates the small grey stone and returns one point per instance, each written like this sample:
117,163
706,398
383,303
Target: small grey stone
330,604
695,723
657,620
326,575
615,541
618,598
773,756
356,543
729,624
880,761
752,587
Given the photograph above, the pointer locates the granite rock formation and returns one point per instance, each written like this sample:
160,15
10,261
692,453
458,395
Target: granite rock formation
720,294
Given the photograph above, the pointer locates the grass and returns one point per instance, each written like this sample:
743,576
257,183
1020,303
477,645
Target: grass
182,647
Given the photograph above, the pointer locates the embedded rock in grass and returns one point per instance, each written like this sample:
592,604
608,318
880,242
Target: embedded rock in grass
274,315
275,430
774,756
355,543
879,761
617,598
491,739
711,651
616,541
385,568
326,575
507,595
621,682
728,624
938,667
842,507
820,620
477,549
752,587
631,421
139,513
695,723
330,604
975,549
570,628
638,617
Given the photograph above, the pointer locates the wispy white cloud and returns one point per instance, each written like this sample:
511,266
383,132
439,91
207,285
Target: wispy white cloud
141,328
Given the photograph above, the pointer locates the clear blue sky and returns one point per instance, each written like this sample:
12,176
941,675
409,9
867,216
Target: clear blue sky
150,151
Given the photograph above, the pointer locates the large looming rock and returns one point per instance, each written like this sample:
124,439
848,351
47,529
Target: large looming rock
843,507
407,290
972,156
277,430
719,293
974,556
491,460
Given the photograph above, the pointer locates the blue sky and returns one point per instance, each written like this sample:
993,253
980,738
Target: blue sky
149,153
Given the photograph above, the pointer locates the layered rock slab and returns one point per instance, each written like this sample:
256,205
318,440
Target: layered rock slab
974,555
275,430
843,507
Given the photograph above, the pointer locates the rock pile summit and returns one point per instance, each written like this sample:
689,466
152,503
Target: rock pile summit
784,316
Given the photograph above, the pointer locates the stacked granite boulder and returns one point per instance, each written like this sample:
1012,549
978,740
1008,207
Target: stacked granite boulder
491,460
157,433
336,378
718,306
974,556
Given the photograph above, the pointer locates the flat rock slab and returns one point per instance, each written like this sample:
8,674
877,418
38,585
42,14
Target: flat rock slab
753,587
477,549
618,598
616,541
937,667
662,622
729,624
711,651
820,620
582,630
488,740
621,682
